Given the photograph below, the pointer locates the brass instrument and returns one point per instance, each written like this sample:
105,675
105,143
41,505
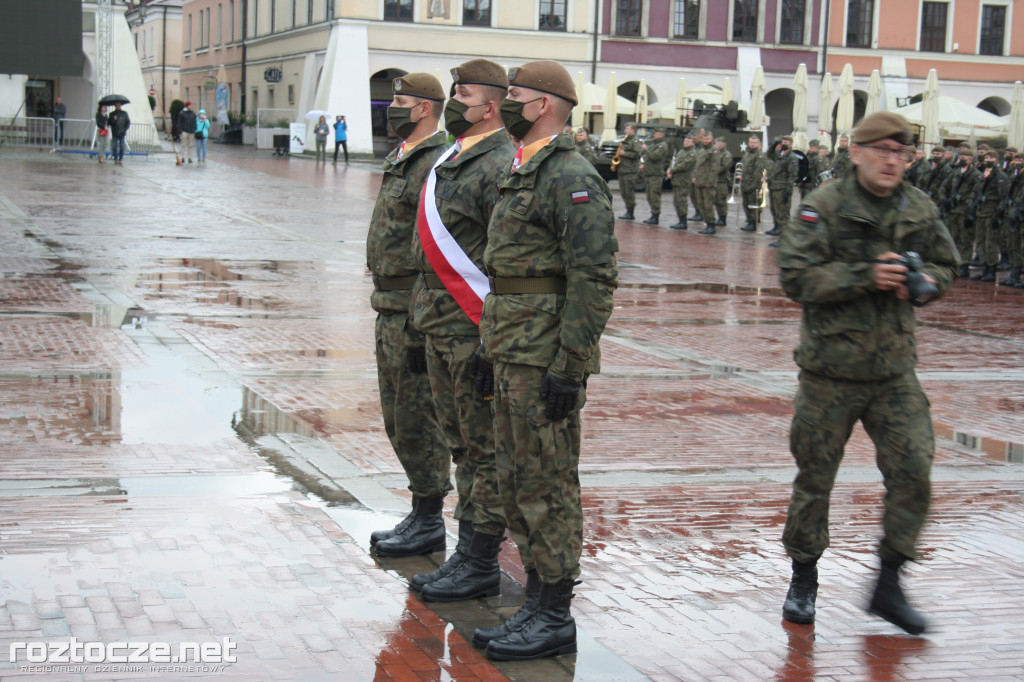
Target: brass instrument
617,159
764,190
737,184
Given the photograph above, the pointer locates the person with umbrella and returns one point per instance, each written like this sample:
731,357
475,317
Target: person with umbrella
118,122
321,131
102,132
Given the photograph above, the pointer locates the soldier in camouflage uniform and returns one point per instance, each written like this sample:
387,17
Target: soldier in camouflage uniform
756,167
655,154
629,167
583,145
960,189
705,177
780,185
988,219
1015,222
465,189
409,417
842,165
811,181
917,168
700,149
857,354
723,188
551,257
681,175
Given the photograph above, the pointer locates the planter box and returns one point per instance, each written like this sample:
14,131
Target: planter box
248,135
265,137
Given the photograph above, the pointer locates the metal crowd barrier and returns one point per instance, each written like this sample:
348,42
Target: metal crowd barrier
72,135
27,132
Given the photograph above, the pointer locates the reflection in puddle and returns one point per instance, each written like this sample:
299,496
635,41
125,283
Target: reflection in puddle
240,485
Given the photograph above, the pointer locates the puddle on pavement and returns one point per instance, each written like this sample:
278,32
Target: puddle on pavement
227,485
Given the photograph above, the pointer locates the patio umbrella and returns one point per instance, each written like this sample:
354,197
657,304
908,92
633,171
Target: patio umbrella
726,91
930,110
874,93
1015,135
315,114
844,113
641,101
610,110
800,108
825,112
680,117
114,99
577,111
757,85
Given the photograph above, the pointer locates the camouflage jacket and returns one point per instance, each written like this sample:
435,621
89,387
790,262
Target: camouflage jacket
933,184
754,164
849,329
842,165
914,172
959,190
389,250
630,156
586,150
683,165
724,168
654,159
706,172
992,192
465,193
785,168
553,219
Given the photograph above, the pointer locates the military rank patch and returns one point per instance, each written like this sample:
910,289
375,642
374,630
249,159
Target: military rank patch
808,216
580,197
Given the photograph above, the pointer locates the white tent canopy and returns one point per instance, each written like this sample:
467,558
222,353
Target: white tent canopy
594,97
958,119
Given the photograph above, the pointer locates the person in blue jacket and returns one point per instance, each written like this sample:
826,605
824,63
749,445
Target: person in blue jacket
202,134
340,138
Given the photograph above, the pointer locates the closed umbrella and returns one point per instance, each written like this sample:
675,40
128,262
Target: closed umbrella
874,93
610,110
844,112
726,91
577,111
930,110
641,101
825,112
1015,135
680,117
800,108
757,86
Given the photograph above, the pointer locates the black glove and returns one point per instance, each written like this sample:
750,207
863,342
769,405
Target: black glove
417,359
483,374
561,396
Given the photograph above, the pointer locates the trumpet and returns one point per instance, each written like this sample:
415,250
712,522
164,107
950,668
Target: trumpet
764,189
617,159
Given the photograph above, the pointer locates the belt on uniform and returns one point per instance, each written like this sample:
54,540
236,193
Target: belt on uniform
432,281
381,283
527,285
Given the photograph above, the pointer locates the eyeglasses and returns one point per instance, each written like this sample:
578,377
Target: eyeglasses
883,152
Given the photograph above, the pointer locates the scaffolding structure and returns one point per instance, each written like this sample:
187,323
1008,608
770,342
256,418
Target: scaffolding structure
104,47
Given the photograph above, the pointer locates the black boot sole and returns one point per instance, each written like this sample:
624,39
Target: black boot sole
401,553
910,628
445,599
799,620
556,651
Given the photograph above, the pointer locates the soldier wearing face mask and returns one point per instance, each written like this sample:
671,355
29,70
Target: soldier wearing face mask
1015,216
988,224
959,190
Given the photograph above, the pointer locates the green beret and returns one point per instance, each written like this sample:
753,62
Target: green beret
480,72
422,85
1011,150
545,76
965,149
787,138
883,125
814,143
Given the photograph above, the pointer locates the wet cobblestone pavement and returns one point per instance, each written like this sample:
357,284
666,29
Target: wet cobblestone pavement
192,449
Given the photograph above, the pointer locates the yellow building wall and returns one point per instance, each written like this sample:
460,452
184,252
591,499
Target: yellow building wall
449,40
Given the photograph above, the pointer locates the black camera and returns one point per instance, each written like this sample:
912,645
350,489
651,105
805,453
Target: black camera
921,291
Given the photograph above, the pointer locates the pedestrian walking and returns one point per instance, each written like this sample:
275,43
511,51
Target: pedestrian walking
340,138
629,153
551,259
187,124
681,175
655,155
60,112
102,132
118,122
850,259
454,214
410,420
202,135
321,131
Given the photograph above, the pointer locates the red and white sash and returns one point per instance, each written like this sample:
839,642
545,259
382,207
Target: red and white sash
466,283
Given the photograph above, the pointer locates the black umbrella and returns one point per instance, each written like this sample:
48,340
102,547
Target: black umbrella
114,99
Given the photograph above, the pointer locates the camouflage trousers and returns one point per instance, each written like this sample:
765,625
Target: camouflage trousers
693,196
408,409
750,199
467,422
706,202
653,183
538,473
963,236
1009,241
987,231
680,197
627,188
896,415
781,205
722,191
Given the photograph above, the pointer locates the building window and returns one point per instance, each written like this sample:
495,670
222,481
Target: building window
686,19
552,15
859,19
295,12
273,15
188,41
933,26
231,20
744,20
793,13
476,12
152,42
993,21
220,24
397,10
291,94
309,11
209,28
255,9
627,19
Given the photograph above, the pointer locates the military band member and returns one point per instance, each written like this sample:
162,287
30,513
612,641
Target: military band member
723,188
629,167
655,155
584,145
756,169
681,175
841,164
780,184
705,177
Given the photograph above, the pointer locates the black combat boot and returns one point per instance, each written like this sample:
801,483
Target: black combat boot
803,590
889,603
710,229
424,535
481,636
1013,277
477,576
453,562
749,227
696,218
965,272
681,225
378,535
987,275
1004,263
653,220
774,232
551,631
720,222
628,215
976,261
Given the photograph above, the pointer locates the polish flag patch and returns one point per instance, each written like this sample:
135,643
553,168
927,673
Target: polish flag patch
808,216
580,197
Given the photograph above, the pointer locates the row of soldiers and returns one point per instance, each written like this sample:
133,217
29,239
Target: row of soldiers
981,198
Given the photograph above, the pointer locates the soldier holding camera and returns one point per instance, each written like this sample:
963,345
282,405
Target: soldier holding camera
860,252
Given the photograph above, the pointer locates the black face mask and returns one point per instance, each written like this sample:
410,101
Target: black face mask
990,164
512,116
455,117
400,120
